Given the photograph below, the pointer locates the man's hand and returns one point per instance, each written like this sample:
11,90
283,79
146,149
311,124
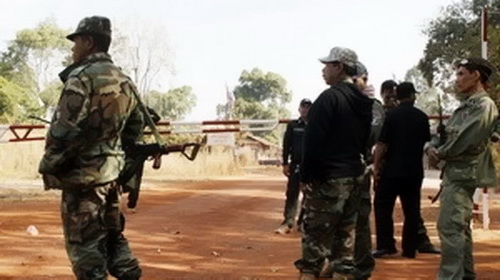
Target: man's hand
50,182
433,155
286,170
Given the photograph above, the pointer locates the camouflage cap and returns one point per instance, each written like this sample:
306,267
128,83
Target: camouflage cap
339,54
92,25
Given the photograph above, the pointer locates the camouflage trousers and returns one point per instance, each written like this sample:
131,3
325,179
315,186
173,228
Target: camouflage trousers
455,231
328,226
93,226
363,259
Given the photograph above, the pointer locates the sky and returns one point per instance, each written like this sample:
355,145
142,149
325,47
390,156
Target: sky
213,41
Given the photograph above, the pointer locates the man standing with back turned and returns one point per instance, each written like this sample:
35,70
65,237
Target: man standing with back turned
335,137
293,141
401,144
468,165
97,113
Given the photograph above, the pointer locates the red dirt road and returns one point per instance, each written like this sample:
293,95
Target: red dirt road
203,230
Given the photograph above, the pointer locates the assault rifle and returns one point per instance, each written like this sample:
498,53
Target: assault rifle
442,139
137,154
141,152
441,127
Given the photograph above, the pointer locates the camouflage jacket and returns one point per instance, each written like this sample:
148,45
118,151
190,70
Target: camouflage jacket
96,113
466,151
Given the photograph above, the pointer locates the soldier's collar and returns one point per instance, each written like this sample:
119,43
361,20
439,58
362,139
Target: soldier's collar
100,56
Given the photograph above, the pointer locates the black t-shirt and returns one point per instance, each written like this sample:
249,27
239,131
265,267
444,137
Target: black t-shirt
405,131
293,142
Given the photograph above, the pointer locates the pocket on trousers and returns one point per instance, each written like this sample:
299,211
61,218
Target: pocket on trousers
83,226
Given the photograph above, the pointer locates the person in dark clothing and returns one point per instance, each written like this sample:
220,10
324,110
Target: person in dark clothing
335,137
388,94
424,244
292,156
404,134
363,258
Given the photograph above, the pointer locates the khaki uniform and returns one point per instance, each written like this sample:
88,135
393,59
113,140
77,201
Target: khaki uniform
96,113
468,166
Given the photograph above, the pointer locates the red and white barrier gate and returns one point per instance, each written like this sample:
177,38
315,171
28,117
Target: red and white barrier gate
22,133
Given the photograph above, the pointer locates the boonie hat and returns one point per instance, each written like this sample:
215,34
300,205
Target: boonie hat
343,55
92,25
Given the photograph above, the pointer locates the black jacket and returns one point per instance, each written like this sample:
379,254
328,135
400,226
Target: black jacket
293,142
336,134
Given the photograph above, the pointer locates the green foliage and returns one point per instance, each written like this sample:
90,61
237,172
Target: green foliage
456,34
428,96
262,87
259,95
16,103
31,61
173,105
35,55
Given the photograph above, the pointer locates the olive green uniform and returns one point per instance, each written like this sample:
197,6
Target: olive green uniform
468,166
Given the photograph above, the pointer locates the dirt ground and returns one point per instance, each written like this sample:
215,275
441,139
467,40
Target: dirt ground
210,229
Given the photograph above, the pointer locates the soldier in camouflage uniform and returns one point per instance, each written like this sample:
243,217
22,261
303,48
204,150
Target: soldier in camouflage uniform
468,165
97,113
335,137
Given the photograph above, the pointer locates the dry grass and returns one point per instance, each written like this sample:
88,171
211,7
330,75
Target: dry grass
20,161
217,162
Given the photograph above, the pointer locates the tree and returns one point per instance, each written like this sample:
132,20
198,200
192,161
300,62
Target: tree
35,56
175,104
454,35
16,103
143,51
260,95
427,96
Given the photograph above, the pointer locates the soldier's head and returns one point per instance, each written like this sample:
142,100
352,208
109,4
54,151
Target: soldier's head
339,65
92,35
305,104
472,75
388,94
